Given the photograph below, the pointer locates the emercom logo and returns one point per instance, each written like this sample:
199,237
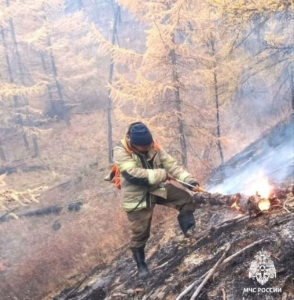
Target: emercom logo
262,268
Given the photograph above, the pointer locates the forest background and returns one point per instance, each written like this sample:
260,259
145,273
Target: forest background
207,76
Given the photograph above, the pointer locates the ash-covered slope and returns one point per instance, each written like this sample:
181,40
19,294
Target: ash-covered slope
182,261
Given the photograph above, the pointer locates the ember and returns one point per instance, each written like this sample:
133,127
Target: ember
264,204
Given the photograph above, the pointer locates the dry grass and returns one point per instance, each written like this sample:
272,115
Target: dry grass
66,151
34,258
39,259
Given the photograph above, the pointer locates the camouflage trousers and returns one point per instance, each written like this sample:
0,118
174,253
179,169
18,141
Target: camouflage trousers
140,220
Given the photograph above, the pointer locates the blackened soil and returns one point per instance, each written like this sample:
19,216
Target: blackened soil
183,261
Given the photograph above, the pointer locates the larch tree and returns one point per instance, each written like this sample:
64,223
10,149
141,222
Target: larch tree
16,86
274,58
188,72
153,91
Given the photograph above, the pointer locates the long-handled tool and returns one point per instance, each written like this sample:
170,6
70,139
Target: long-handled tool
194,188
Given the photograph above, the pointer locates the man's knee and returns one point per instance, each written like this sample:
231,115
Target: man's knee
140,224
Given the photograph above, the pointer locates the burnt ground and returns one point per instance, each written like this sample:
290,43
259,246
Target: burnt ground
183,261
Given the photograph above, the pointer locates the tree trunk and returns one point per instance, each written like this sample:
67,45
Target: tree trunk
2,153
34,138
217,118
65,112
110,77
15,98
181,130
216,97
48,85
291,66
24,136
36,146
58,86
11,80
15,46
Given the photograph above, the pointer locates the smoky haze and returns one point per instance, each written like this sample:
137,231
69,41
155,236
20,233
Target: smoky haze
271,157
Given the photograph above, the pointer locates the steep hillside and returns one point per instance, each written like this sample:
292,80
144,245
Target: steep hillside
180,263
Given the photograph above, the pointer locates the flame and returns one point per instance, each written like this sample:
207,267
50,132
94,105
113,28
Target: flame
236,205
260,186
264,204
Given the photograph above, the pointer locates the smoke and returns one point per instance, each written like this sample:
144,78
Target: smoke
270,157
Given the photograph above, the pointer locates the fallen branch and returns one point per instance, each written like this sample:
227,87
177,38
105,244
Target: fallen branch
163,264
284,205
188,289
224,294
226,223
228,259
210,273
75,288
3,217
240,251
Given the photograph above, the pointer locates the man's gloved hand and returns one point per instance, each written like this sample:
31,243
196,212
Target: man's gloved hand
195,184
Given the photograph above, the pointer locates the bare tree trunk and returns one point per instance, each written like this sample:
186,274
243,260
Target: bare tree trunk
11,79
110,77
15,46
181,130
291,66
36,146
216,97
15,98
34,138
58,85
2,153
48,85
218,118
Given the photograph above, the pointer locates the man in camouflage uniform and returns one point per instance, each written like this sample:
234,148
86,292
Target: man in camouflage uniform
144,167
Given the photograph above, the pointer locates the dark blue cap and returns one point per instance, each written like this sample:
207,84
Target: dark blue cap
140,135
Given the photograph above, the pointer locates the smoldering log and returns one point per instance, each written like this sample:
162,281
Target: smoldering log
253,205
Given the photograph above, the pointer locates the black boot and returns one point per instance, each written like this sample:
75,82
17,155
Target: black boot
139,256
186,221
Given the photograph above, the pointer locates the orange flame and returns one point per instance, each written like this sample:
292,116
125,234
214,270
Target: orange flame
260,186
236,205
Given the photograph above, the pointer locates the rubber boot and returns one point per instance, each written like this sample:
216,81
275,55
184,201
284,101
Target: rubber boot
139,256
186,221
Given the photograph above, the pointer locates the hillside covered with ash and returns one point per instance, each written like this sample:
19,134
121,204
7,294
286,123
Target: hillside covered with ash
232,253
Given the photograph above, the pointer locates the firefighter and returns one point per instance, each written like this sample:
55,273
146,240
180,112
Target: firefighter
145,168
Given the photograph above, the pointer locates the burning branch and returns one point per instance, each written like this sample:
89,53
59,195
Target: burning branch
265,199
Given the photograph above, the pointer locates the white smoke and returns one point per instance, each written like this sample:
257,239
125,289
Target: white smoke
271,157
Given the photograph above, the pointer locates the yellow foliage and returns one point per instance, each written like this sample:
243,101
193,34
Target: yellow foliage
11,89
121,55
10,197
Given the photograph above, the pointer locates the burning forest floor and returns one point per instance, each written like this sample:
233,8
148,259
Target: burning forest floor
216,259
